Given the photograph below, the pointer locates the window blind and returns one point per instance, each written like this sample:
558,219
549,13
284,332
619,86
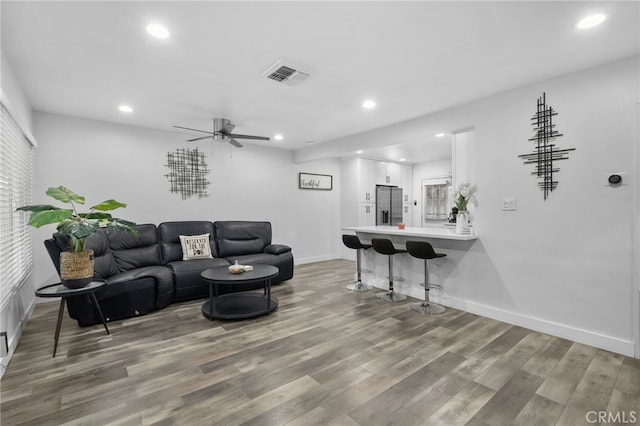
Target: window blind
435,201
16,183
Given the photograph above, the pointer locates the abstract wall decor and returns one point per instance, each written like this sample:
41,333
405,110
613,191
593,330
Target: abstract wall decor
545,151
187,173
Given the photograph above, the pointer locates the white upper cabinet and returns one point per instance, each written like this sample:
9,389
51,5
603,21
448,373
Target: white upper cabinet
366,180
388,174
407,184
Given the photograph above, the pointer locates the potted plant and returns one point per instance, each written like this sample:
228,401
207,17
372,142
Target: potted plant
76,265
461,199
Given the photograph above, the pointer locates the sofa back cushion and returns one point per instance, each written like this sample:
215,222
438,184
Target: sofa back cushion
236,238
104,262
169,235
135,251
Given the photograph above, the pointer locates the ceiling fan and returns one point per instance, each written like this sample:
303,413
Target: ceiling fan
222,129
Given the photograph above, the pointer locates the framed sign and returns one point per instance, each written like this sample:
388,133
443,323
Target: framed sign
314,181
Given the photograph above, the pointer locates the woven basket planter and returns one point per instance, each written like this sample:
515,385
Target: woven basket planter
76,268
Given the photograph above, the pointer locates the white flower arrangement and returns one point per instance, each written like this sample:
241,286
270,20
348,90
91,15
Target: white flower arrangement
463,194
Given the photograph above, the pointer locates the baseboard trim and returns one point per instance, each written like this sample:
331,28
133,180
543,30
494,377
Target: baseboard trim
620,346
305,260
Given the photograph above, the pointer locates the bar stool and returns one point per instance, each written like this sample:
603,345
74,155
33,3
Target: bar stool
424,250
385,246
353,242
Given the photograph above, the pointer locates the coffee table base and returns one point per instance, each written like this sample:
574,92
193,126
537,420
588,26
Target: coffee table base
238,306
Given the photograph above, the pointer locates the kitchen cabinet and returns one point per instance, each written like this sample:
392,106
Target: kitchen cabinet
359,177
407,184
358,192
366,214
388,173
365,180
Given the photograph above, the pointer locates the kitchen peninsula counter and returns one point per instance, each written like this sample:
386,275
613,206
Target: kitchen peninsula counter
441,232
456,270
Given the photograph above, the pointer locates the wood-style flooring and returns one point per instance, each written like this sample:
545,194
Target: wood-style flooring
326,357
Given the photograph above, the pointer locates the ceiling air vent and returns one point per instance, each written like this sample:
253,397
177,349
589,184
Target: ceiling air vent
285,74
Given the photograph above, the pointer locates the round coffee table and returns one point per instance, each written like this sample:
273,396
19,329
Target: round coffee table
239,305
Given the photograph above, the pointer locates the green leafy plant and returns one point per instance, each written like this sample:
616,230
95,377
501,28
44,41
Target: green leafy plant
78,226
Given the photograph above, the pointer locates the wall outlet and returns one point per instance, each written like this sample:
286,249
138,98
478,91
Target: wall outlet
508,204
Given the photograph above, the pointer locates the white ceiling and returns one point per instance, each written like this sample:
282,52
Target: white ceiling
412,58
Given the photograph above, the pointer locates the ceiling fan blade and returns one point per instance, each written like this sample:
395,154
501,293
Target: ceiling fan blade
257,138
195,130
197,139
235,143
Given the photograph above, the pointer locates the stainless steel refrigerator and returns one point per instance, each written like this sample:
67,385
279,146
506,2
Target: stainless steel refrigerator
388,205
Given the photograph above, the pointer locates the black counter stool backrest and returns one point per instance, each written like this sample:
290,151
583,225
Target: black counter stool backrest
385,246
424,250
353,242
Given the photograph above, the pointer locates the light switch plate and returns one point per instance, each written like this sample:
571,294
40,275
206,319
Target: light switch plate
509,204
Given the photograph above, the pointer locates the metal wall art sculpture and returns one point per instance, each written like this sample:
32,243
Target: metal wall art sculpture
188,171
545,151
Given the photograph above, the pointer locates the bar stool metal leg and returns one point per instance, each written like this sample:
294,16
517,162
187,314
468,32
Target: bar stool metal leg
427,307
390,295
358,285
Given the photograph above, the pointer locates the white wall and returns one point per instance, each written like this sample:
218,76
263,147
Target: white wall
101,160
565,265
19,304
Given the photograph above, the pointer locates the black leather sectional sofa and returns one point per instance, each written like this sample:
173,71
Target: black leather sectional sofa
147,272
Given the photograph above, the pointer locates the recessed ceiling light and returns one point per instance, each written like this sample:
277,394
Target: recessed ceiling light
439,135
403,159
591,21
278,137
368,104
125,108
158,31
359,151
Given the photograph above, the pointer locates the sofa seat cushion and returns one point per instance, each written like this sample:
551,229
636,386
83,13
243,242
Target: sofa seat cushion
256,259
186,277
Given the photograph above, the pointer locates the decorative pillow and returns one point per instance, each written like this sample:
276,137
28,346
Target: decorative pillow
195,246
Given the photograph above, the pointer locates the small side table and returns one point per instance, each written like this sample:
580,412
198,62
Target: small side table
58,290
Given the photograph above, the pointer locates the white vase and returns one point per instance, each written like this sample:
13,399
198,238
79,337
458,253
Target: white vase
462,222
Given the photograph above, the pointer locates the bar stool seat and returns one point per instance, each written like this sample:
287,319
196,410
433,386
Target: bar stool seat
385,246
424,250
353,242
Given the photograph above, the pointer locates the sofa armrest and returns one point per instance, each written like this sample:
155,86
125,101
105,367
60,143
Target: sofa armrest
277,249
161,274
